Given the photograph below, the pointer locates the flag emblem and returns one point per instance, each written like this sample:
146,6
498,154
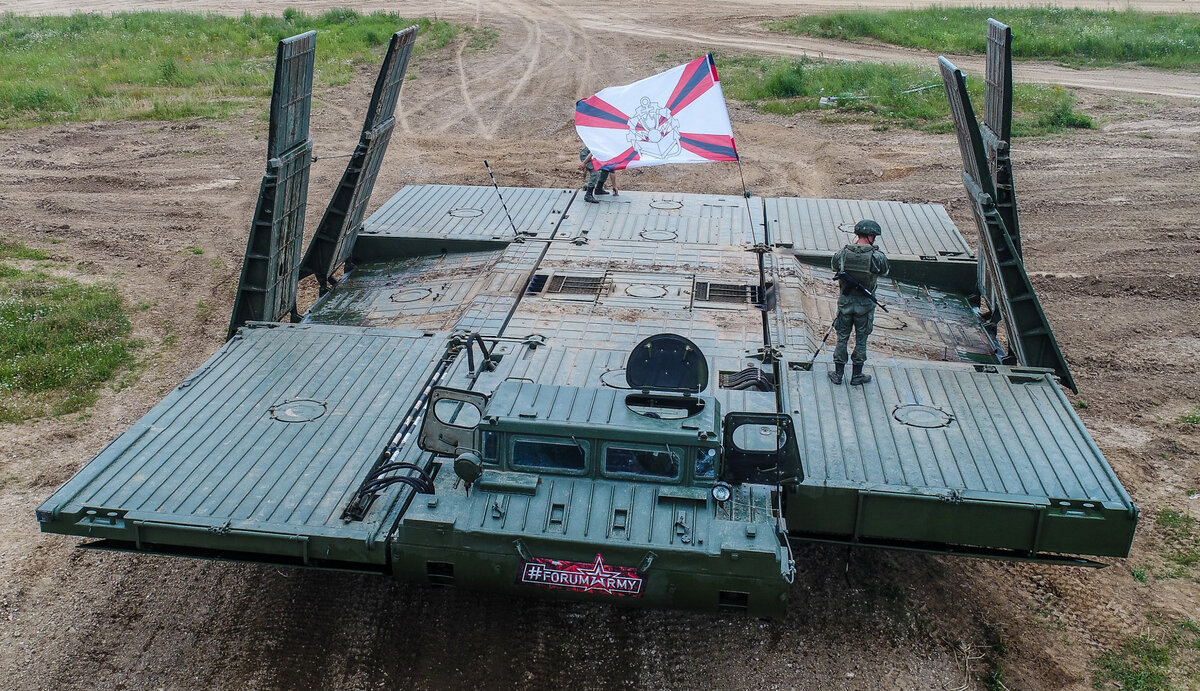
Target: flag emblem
677,116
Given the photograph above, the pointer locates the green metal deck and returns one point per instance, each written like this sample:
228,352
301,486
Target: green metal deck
209,471
256,454
955,455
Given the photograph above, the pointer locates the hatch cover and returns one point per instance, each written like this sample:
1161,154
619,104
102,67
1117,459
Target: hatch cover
659,235
926,416
887,321
466,212
411,294
667,362
645,290
666,204
614,379
298,410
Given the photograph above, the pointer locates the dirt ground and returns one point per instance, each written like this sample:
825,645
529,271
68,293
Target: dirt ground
1111,236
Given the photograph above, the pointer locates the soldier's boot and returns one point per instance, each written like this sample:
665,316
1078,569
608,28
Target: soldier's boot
588,197
839,369
600,190
857,378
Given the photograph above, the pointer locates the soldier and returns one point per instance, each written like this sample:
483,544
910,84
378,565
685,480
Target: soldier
596,178
863,262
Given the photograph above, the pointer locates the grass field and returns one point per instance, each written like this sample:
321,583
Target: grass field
170,65
884,94
59,339
1069,36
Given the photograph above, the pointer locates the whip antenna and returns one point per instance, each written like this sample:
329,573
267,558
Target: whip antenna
516,232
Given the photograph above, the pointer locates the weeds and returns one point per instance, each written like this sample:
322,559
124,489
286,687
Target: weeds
15,250
884,94
1190,419
1069,36
1149,662
59,340
1140,663
1181,547
482,38
171,65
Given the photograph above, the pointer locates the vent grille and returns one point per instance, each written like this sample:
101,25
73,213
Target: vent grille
727,292
581,285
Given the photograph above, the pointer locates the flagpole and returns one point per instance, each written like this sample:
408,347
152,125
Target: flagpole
746,196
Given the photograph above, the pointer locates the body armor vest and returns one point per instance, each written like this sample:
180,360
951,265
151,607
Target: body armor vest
858,264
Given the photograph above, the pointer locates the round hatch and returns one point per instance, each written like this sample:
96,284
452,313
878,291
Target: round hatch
645,290
298,410
924,416
466,212
659,235
411,294
666,204
614,379
887,321
667,362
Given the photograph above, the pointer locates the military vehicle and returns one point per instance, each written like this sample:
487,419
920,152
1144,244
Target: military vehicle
510,390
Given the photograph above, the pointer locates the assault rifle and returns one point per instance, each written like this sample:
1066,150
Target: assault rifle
858,284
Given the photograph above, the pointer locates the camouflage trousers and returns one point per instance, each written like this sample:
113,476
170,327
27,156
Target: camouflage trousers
597,178
855,312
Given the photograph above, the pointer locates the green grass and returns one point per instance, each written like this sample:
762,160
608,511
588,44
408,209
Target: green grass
59,340
171,65
1069,36
15,250
1153,661
1190,419
1140,664
874,92
1181,548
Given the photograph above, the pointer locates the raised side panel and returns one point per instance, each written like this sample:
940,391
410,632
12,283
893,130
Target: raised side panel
1003,281
334,240
270,271
998,123
997,112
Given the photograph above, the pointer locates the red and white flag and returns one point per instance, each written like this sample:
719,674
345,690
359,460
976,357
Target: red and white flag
677,116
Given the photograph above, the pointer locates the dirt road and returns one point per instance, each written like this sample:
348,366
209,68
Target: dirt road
1105,213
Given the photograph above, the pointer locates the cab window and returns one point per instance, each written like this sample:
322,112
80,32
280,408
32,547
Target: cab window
490,447
705,467
645,462
566,455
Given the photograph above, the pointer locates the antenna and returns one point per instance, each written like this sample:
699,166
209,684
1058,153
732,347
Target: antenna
516,232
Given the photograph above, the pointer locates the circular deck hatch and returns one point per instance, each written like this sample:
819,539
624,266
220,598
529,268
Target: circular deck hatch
666,204
466,212
298,410
659,235
411,294
614,379
645,290
887,321
923,416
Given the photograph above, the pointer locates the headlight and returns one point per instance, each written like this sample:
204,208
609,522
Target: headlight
722,491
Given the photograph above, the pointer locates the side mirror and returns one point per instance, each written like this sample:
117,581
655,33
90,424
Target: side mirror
451,419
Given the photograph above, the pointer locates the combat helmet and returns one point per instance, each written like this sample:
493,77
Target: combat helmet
867,227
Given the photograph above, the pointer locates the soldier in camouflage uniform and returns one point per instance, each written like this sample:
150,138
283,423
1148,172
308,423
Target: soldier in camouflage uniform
856,310
596,178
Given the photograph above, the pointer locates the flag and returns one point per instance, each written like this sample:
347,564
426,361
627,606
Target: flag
677,116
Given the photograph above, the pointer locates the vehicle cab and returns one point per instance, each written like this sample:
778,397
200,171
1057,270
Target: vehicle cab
649,488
